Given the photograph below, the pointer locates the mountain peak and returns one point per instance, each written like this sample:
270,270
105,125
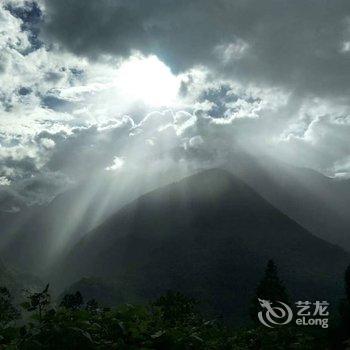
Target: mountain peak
200,236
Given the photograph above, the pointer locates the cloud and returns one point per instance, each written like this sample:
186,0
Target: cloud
116,165
263,77
4,181
294,44
320,142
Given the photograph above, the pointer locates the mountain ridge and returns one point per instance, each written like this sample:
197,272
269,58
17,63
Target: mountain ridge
209,235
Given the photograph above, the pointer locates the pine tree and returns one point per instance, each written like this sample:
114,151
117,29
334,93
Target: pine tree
342,333
270,288
347,283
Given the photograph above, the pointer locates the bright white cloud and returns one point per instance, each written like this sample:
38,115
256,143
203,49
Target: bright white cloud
116,165
4,181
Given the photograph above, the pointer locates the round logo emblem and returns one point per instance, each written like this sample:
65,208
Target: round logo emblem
278,315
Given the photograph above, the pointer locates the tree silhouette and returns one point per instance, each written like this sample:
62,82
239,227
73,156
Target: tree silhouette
342,332
347,283
72,301
270,288
176,307
38,302
8,312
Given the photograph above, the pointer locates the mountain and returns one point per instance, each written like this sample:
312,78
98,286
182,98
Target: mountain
317,202
208,236
34,237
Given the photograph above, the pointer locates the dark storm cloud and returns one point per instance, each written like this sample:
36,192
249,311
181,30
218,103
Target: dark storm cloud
296,44
31,16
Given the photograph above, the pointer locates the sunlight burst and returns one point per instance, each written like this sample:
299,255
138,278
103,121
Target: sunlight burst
149,80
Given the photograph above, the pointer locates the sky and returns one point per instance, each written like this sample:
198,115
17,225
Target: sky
111,87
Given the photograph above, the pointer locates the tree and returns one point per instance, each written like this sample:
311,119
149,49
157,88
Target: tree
8,312
176,308
72,301
92,305
38,302
342,332
347,283
270,288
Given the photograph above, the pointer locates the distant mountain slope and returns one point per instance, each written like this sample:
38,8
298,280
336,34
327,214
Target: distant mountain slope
34,237
210,236
318,203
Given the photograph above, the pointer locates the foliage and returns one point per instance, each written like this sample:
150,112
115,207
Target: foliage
341,336
171,322
347,283
72,301
8,312
270,288
38,302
